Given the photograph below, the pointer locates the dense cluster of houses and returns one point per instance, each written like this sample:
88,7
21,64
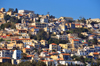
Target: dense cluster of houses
18,41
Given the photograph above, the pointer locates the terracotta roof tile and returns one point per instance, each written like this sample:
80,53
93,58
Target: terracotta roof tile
5,58
77,24
4,49
96,53
65,54
54,44
27,48
75,39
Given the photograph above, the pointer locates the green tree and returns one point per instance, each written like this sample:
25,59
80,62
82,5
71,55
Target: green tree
7,17
8,25
63,41
34,62
27,63
95,41
52,40
82,36
16,10
12,19
1,40
40,63
71,64
11,9
76,65
52,16
37,15
15,20
6,64
24,56
41,35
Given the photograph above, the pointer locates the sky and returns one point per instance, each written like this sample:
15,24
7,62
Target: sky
58,8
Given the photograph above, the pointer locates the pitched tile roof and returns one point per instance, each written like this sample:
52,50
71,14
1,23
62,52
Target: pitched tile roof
53,44
27,48
96,53
65,54
76,39
5,58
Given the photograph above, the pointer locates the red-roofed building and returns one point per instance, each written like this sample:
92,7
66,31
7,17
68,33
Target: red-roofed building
53,46
65,56
78,26
43,53
26,50
49,62
96,55
5,59
91,37
75,43
5,52
34,30
76,39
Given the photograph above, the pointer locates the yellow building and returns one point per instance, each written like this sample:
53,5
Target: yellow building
46,29
68,24
44,42
2,15
2,10
98,40
26,50
78,26
64,46
9,13
55,57
14,44
84,33
48,15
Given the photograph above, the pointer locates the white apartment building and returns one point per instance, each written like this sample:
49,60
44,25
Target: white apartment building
16,54
44,20
24,12
5,53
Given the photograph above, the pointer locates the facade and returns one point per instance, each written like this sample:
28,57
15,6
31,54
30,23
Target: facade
5,59
44,20
78,26
75,43
62,37
44,43
24,12
22,31
2,9
53,46
34,30
65,56
5,53
63,27
92,20
39,25
10,13
64,46
2,15
16,54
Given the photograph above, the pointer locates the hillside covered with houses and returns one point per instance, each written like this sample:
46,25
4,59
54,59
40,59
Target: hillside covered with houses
30,39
